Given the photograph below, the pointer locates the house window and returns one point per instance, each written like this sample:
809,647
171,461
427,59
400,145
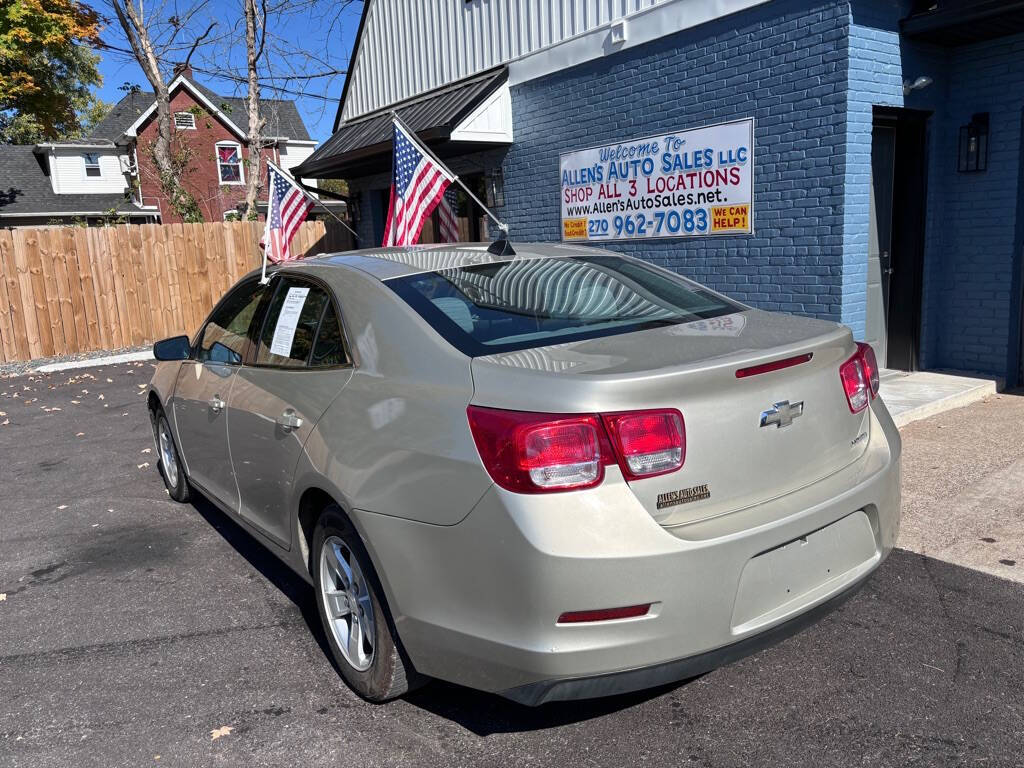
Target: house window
92,164
185,121
229,163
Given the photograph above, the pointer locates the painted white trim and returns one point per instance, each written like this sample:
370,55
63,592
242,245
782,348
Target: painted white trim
85,166
241,163
34,215
299,142
180,81
490,122
644,26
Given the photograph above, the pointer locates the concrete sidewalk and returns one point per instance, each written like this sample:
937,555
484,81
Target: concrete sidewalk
914,396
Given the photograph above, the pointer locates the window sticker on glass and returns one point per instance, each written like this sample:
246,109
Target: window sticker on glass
287,321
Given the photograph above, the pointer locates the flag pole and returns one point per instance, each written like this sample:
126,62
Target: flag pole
323,205
412,135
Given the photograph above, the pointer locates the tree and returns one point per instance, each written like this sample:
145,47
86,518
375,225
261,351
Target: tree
46,68
153,39
295,67
253,52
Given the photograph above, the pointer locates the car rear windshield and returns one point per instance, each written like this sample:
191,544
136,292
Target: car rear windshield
512,305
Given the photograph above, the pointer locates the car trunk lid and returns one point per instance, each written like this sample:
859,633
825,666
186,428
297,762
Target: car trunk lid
748,439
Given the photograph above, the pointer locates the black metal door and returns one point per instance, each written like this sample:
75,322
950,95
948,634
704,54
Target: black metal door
901,271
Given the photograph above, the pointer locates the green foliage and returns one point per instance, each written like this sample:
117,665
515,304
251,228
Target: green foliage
46,68
337,186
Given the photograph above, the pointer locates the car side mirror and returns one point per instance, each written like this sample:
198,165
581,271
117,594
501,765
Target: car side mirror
174,348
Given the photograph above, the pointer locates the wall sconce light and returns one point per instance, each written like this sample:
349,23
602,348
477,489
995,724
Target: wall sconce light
496,189
922,82
972,149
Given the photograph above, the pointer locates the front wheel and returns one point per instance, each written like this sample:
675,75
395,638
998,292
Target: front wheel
170,465
350,603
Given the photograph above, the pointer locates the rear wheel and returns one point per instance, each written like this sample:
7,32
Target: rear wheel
355,620
169,462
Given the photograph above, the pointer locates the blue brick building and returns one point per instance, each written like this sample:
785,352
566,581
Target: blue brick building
887,174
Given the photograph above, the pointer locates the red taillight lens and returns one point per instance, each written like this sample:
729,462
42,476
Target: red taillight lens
605,614
538,452
859,375
870,366
649,442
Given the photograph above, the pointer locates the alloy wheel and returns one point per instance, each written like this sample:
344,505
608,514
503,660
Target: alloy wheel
347,604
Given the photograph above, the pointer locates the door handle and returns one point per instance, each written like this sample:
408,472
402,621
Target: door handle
216,404
289,420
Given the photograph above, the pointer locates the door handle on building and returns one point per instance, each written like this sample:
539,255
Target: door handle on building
216,404
289,420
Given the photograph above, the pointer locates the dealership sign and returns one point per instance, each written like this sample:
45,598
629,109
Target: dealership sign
684,184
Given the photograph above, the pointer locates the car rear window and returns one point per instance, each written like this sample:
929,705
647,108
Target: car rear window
490,308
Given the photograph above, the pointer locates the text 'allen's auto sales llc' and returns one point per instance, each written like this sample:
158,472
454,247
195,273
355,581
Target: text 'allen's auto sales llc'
683,184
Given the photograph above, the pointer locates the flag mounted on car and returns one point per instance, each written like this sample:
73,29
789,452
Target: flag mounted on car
418,184
288,205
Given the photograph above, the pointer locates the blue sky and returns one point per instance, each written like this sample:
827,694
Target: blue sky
320,101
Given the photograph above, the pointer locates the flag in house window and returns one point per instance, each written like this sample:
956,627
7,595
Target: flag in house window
229,163
92,164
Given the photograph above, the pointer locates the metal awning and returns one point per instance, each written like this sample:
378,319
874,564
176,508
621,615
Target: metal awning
959,22
362,146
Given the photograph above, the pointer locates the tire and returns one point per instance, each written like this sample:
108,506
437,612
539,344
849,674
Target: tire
371,662
169,460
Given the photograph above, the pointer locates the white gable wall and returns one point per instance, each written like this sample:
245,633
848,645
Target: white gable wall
67,172
291,153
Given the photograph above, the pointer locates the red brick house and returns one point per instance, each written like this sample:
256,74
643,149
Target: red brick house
210,133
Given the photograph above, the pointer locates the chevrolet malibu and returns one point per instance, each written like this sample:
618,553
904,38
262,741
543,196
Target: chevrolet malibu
557,474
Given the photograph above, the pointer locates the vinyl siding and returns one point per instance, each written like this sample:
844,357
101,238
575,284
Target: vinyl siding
67,173
409,47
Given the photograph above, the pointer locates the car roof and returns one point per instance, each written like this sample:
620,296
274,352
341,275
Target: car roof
387,263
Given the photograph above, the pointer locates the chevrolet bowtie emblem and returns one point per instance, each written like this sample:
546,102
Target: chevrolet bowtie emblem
782,414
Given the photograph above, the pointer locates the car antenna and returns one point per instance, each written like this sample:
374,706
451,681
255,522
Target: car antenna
501,246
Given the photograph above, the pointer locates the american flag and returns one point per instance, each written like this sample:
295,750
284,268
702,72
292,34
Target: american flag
446,216
287,208
417,186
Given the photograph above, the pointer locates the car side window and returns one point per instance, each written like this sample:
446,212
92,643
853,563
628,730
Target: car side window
330,341
226,333
291,323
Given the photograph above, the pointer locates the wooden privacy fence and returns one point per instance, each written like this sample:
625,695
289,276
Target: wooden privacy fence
65,290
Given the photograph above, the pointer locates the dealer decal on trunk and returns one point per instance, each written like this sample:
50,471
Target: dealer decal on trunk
684,496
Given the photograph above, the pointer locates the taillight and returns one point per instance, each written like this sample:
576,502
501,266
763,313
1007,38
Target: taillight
860,380
537,452
541,452
870,366
649,443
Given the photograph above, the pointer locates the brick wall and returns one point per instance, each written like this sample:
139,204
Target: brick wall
969,311
782,63
202,179
974,313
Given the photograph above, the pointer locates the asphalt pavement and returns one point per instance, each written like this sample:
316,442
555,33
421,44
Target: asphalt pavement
135,631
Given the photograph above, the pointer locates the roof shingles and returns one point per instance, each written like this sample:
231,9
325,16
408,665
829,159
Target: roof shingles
283,119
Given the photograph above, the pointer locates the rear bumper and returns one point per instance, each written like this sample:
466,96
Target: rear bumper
477,603
626,681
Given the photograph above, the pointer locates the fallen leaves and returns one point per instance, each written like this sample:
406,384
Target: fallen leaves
147,450
216,733
3,596
143,465
62,506
5,422
80,434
